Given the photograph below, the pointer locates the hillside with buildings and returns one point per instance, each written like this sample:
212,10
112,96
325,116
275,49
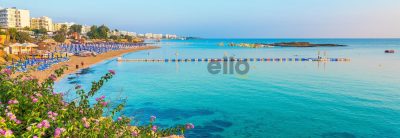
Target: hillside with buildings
20,34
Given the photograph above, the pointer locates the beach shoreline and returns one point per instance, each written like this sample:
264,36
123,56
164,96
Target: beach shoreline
88,61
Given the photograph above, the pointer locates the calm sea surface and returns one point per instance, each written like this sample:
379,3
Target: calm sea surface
360,98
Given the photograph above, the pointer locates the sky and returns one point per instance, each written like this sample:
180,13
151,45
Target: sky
229,18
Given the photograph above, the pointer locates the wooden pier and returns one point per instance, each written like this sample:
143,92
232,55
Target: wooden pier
119,59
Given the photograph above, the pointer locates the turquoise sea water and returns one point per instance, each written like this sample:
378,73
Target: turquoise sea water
360,98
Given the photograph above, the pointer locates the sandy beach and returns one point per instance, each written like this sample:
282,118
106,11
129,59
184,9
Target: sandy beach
88,61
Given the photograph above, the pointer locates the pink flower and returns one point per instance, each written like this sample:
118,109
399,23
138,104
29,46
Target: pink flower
12,102
12,117
119,118
53,77
35,137
189,126
44,124
86,124
134,133
58,132
38,95
8,133
104,104
52,115
101,98
154,128
34,100
112,72
39,125
18,121
7,71
152,118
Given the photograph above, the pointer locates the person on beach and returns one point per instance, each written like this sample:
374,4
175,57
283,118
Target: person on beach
77,66
82,63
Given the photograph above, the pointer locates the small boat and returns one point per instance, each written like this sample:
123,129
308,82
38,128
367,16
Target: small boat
389,51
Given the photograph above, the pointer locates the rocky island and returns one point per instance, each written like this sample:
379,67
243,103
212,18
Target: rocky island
302,44
282,44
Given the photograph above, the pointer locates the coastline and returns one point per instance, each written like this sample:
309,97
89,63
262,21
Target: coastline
88,61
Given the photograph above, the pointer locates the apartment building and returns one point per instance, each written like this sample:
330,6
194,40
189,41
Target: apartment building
14,18
42,22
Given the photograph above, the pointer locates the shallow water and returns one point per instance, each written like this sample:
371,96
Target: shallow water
360,98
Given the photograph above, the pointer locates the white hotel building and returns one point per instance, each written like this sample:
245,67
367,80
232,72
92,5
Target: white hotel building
14,18
58,26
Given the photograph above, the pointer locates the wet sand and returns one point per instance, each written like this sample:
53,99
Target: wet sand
88,61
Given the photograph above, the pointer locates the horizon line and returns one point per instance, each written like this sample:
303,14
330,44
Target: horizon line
302,38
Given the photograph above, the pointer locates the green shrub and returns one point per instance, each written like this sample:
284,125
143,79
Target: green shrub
29,108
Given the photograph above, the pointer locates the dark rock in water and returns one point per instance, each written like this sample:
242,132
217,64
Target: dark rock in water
210,129
207,131
203,112
222,123
338,135
72,78
283,44
202,135
85,71
168,113
74,82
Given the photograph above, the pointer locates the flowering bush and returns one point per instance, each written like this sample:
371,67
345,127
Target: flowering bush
29,108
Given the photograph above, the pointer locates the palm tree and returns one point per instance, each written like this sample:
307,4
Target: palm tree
76,28
12,34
